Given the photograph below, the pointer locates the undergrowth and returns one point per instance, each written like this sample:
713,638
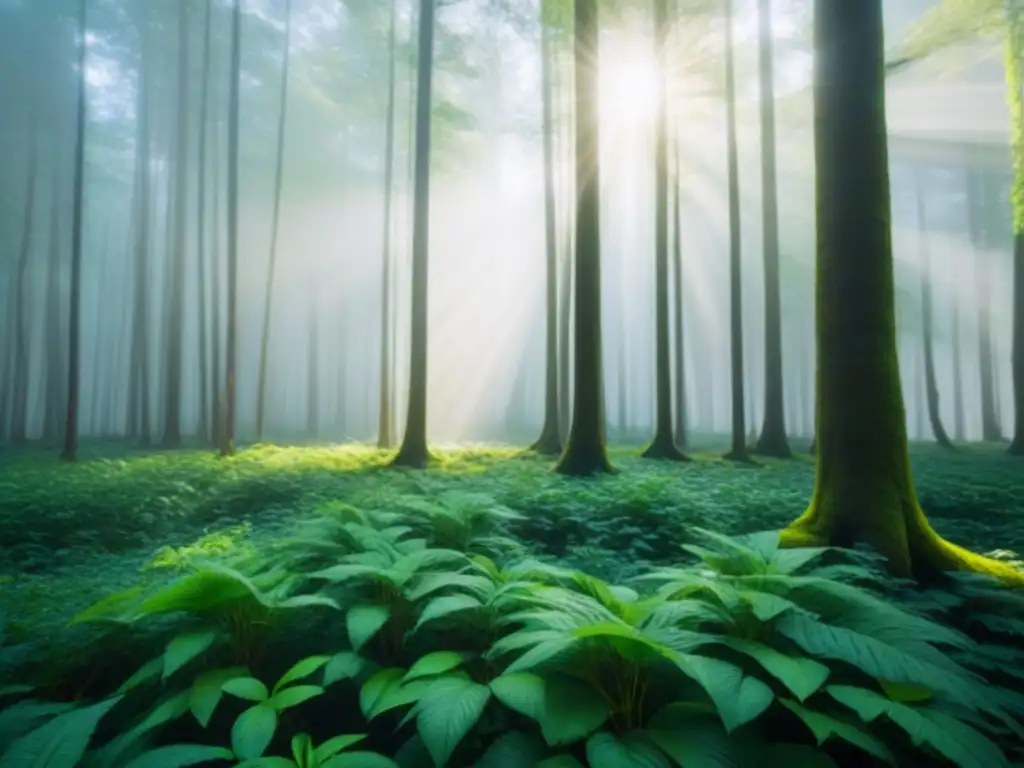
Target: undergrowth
419,633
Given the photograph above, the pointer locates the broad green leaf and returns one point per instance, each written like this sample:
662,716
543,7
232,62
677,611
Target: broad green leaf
343,666
365,621
183,648
248,688
293,696
60,743
253,731
560,761
695,740
825,727
738,697
436,663
764,605
512,750
378,684
207,691
268,762
631,751
359,760
950,737
401,694
479,586
542,653
180,756
302,750
444,606
447,712
18,719
905,692
339,743
523,692
801,676
567,709
304,668
14,690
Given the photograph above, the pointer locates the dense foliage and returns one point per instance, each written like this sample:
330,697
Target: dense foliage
423,621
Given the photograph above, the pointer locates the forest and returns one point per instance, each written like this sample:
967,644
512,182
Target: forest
511,383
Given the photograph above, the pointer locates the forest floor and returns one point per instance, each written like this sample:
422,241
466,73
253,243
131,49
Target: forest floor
71,534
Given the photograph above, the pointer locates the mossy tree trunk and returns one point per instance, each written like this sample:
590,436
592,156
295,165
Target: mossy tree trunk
413,451
931,386
738,451
863,487
773,441
1015,84
550,441
585,450
663,446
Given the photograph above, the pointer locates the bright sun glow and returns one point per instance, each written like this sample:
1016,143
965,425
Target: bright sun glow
628,82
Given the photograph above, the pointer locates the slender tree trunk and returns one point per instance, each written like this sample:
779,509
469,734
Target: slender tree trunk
385,438
550,441
663,446
56,341
19,404
565,307
261,397
678,316
413,451
739,427
863,486
585,450
176,289
230,396
773,441
313,378
201,233
217,299
1015,87
74,323
138,365
977,212
958,379
927,321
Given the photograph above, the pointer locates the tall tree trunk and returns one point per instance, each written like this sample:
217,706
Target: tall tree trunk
385,438
565,307
738,451
56,349
773,441
927,321
282,117
585,450
550,441
978,224
227,443
313,378
413,451
201,233
958,379
663,446
176,256
863,486
678,317
20,388
75,319
138,395
1015,88
217,298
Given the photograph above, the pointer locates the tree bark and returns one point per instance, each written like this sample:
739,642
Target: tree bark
201,234
413,452
863,486
773,441
550,441
927,322
227,441
681,426
1015,84
585,450
663,446
268,296
738,451
20,393
385,438
75,319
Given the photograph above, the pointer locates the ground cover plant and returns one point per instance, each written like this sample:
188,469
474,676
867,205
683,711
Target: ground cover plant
305,607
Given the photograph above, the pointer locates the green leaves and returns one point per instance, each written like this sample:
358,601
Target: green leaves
447,712
631,751
183,648
180,756
248,688
738,697
566,709
60,743
365,621
253,731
